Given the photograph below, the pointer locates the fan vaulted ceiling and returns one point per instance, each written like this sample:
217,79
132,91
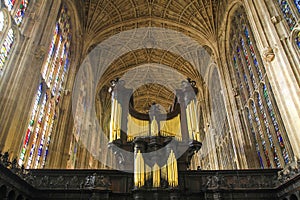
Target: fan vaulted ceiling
199,19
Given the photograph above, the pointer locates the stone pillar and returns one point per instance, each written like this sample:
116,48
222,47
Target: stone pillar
279,70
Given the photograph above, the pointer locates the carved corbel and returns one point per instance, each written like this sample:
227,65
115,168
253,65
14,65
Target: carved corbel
268,54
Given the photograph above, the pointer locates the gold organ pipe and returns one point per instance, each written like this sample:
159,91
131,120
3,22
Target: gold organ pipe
147,172
171,128
172,170
112,121
136,127
115,120
156,175
139,172
119,117
195,119
189,123
164,174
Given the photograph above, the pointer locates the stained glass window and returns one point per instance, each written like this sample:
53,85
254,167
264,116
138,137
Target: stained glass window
2,21
250,120
44,112
255,61
273,118
287,12
264,127
6,48
297,39
9,4
297,3
21,12
268,131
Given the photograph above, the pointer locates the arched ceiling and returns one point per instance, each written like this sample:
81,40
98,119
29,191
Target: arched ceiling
153,78
199,19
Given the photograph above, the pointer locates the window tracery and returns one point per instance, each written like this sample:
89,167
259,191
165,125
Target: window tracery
287,13
20,13
45,108
2,21
10,34
9,4
263,124
6,48
290,10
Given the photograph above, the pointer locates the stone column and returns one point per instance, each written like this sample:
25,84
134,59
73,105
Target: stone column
279,70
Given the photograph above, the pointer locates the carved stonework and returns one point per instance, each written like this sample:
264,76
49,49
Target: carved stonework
39,52
268,54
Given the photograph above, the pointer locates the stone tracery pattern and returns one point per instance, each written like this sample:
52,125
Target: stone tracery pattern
45,107
263,123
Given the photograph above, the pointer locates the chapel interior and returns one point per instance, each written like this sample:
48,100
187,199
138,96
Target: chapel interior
150,99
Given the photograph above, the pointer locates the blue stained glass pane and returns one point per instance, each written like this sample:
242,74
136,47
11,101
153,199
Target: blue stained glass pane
297,3
297,40
287,13
21,12
252,52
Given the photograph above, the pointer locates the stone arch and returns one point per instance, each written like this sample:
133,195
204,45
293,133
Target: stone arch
11,195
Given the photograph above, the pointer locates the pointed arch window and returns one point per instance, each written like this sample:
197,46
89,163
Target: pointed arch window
290,10
9,4
9,35
45,109
21,12
297,40
264,125
2,21
6,48
288,13
297,3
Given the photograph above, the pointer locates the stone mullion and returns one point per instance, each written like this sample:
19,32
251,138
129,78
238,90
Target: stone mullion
281,127
238,81
244,68
6,27
234,105
264,131
257,55
271,127
43,122
245,65
33,133
252,65
279,70
250,136
294,10
242,82
258,137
